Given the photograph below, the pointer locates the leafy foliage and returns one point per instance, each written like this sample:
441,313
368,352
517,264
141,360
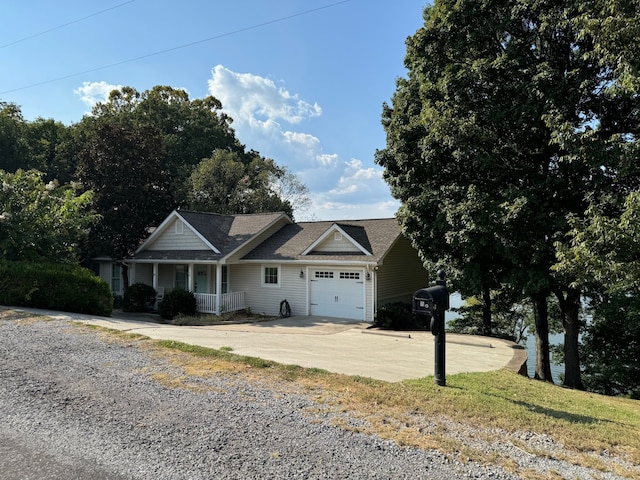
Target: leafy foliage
514,117
603,256
399,316
41,221
188,130
509,321
68,288
139,297
122,167
611,347
177,301
224,184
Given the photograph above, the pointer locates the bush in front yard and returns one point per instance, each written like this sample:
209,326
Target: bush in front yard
398,316
69,288
177,302
139,297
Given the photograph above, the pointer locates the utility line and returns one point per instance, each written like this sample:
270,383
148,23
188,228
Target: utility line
66,24
167,50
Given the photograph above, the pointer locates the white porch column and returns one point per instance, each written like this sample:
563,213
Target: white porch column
218,287
154,276
190,281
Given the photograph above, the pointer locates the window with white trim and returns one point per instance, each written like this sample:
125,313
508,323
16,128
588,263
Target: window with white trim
271,276
181,277
179,227
116,275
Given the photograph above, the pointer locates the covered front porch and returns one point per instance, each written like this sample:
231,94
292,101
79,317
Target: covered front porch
217,304
208,282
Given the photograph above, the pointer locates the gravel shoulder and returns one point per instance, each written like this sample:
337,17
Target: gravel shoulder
76,405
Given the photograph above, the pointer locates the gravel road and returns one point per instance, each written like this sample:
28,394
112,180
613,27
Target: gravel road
77,406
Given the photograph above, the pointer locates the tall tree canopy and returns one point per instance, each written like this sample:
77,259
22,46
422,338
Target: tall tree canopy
223,183
122,167
190,130
603,257
42,221
13,142
514,116
142,155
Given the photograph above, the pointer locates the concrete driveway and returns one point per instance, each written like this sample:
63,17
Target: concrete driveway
337,345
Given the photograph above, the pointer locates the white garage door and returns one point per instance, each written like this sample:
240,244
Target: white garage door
337,293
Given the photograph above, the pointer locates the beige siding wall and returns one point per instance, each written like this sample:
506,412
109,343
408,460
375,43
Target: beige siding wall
266,299
105,272
368,304
333,244
401,274
170,240
143,274
166,276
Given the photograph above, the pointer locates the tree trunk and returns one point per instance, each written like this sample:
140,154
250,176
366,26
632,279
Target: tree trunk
571,324
486,311
541,317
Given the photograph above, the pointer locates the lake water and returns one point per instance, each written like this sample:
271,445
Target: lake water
556,339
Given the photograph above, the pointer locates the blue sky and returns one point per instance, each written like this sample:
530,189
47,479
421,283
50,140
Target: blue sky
304,81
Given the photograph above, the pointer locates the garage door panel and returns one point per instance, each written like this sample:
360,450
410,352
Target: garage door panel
337,293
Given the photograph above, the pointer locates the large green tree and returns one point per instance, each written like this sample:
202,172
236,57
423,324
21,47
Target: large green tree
491,147
190,129
224,183
604,257
42,221
122,166
13,143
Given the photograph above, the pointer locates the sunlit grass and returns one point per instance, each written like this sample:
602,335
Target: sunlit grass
492,405
411,412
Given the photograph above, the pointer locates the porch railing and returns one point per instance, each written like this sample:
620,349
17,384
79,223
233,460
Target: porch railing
229,302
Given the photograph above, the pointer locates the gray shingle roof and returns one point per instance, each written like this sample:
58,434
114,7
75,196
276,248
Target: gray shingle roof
225,232
228,232
377,236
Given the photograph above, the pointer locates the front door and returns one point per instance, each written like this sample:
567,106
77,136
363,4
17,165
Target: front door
202,281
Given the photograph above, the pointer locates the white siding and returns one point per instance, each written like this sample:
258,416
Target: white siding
369,285
333,244
143,273
170,240
166,276
266,299
401,274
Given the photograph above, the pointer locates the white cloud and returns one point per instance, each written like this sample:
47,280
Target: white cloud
323,208
252,97
260,110
94,92
356,178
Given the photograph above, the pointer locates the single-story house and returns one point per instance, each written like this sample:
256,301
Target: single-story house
344,269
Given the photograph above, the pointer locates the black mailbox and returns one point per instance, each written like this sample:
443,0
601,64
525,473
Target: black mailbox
432,302
428,300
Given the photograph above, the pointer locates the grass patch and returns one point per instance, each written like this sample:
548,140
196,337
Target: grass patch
494,403
492,407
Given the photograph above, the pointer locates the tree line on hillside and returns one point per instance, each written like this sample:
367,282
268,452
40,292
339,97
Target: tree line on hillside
124,168
512,145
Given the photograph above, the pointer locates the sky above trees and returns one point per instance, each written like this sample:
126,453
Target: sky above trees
304,82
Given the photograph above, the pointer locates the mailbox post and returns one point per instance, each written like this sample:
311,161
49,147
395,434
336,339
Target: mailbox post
433,302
